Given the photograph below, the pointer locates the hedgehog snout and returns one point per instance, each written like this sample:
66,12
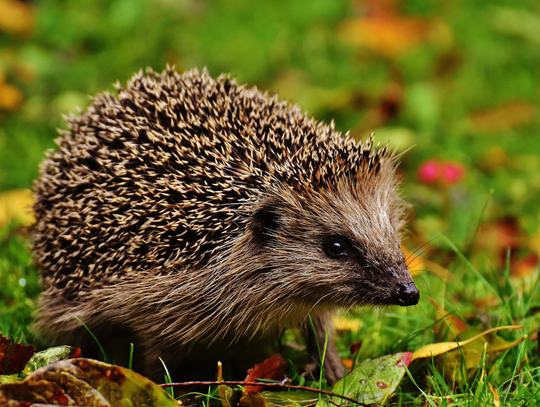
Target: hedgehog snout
406,294
405,291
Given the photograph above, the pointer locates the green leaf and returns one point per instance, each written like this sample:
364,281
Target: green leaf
290,398
48,356
375,380
9,379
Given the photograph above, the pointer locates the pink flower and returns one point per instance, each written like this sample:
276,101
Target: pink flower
429,171
448,172
452,172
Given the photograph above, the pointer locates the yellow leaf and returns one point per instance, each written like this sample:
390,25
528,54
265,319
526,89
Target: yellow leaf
16,17
436,349
16,205
414,262
11,98
443,273
496,401
341,323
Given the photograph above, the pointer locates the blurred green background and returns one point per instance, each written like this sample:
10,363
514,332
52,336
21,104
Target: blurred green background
457,81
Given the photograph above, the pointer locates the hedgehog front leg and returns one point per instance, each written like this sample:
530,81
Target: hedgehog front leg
317,335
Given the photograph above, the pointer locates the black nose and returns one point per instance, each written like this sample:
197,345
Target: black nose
406,294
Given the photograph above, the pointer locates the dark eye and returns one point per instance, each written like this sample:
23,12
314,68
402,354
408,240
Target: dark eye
336,247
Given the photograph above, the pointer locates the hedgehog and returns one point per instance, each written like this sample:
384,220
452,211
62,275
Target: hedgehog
198,218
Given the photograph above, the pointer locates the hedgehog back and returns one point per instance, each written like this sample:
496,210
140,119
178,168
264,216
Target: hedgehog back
160,176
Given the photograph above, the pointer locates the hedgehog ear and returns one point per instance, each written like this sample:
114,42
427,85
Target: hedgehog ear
265,222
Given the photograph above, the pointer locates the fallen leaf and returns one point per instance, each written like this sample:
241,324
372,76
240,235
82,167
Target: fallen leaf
51,355
11,98
16,205
250,399
375,380
388,35
13,355
348,363
355,347
85,382
414,262
496,400
472,355
341,323
10,379
272,368
16,17
440,348
228,396
290,398
509,115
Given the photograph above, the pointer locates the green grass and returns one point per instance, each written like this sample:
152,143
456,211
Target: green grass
481,55
19,285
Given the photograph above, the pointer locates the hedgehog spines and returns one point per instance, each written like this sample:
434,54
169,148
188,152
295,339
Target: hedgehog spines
211,205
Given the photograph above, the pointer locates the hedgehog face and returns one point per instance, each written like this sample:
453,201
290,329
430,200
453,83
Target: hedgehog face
348,251
364,238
